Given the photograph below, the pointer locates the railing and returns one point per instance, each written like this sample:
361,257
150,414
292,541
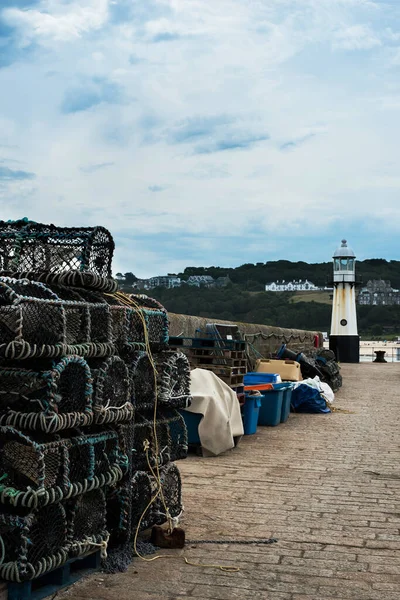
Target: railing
367,353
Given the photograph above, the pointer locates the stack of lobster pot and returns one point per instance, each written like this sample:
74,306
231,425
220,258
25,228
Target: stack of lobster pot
71,373
160,384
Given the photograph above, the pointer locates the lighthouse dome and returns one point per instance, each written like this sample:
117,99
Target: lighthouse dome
344,251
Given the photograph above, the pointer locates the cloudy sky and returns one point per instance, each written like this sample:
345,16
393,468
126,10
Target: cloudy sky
205,132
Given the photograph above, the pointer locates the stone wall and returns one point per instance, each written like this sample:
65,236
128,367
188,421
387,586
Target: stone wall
264,338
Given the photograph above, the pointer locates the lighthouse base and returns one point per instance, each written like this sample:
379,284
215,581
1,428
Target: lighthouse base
345,347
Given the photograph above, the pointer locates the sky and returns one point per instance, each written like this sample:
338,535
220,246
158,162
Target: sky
205,132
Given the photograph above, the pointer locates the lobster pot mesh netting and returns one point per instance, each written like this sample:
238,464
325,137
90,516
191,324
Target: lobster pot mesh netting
171,485
143,460
79,256
43,469
126,433
111,399
119,513
33,544
57,397
156,320
172,440
35,322
173,381
142,490
87,527
143,381
96,460
137,320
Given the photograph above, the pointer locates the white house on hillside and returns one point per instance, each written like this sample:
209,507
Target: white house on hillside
291,286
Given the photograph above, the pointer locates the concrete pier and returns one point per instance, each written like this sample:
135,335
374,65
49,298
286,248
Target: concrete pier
326,486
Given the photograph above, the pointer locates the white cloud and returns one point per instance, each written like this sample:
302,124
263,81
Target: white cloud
53,20
356,37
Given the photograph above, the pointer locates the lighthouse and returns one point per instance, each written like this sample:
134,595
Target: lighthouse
344,339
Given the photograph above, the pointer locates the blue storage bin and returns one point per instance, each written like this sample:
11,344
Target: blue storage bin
250,412
260,378
271,408
192,421
286,388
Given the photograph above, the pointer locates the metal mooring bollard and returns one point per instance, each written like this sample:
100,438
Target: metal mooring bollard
380,356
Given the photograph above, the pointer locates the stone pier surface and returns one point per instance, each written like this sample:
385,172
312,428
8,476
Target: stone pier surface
326,486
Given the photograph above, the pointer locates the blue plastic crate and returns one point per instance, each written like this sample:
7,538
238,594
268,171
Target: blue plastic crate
250,412
260,378
192,421
286,388
271,408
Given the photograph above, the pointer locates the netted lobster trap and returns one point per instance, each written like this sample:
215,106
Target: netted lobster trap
166,380
171,497
95,461
126,436
150,506
33,544
159,441
173,380
143,378
47,397
119,513
35,322
86,518
76,256
138,321
142,491
111,397
43,468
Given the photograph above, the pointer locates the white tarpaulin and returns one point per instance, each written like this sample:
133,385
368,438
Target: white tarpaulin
218,403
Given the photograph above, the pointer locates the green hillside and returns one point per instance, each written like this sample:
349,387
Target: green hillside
269,308
253,277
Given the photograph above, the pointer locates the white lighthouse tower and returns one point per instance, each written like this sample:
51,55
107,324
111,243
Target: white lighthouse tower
344,339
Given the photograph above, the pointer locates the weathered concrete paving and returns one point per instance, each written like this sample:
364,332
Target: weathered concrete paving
326,486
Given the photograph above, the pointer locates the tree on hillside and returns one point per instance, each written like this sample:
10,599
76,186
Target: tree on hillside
130,278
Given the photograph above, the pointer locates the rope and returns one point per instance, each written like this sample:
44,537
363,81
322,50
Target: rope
103,545
3,550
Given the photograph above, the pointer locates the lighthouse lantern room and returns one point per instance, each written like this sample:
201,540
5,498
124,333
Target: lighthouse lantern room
344,339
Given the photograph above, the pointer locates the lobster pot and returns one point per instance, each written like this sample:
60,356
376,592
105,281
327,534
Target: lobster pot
156,320
143,460
111,398
100,316
43,469
172,440
136,321
35,468
143,488
178,435
143,381
119,513
35,322
128,328
171,485
126,433
95,460
57,397
86,517
173,381
76,256
33,544
157,328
